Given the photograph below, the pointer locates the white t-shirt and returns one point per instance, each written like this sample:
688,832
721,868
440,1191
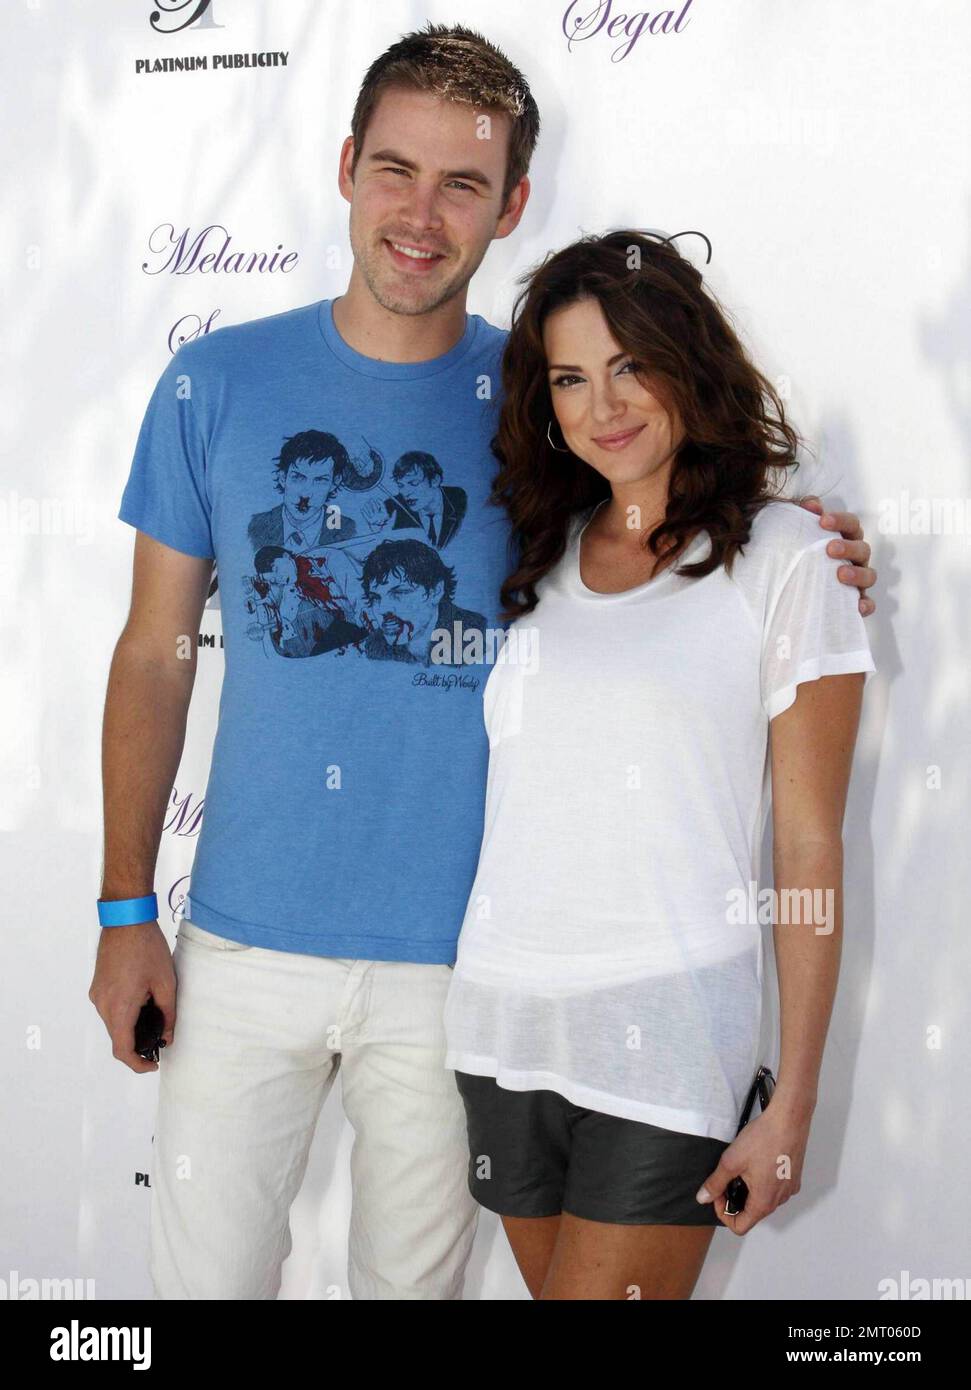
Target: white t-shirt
610,949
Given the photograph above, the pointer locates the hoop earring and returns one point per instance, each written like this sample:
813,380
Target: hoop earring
550,438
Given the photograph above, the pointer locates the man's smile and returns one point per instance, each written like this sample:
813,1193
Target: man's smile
408,256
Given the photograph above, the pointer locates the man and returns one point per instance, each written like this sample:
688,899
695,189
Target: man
423,501
410,609
311,468
344,806
296,604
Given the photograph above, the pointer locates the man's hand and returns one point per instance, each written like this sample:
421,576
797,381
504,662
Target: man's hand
853,548
133,963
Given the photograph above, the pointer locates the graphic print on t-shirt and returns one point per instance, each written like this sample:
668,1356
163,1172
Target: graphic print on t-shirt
350,560
343,504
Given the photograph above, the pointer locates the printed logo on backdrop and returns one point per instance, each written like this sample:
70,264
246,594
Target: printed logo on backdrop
177,898
210,251
168,17
185,817
675,236
174,15
605,22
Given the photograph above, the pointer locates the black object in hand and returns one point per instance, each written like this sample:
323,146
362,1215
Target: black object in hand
148,1031
736,1193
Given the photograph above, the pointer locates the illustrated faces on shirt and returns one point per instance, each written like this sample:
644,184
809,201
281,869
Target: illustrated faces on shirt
422,494
282,577
308,488
403,608
279,571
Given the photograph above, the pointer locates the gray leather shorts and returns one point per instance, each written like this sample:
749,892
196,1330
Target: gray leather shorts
533,1153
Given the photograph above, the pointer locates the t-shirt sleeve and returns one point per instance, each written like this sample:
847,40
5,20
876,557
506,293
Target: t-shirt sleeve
166,495
813,628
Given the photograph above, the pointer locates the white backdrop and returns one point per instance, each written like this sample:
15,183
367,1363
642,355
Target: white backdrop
823,150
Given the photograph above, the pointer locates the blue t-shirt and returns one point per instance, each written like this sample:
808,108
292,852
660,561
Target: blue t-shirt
345,502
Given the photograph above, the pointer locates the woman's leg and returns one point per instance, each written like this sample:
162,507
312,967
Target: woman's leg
519,1146
634,1182
599,1260
532,1239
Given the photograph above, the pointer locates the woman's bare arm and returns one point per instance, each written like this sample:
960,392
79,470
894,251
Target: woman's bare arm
811,751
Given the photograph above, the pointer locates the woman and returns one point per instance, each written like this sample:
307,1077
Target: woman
679,642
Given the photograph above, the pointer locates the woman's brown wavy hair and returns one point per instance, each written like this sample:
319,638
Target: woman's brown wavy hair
737,442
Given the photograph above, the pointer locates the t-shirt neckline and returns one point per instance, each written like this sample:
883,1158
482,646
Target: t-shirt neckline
392,371
579,588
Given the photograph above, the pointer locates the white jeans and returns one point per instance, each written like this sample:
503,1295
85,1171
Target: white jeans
259,1038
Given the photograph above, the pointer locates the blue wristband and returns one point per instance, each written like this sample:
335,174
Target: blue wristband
125,912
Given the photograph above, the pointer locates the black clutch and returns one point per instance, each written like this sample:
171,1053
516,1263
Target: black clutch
736,1193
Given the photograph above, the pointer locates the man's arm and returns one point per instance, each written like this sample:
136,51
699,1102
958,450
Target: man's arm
149,689
851,547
